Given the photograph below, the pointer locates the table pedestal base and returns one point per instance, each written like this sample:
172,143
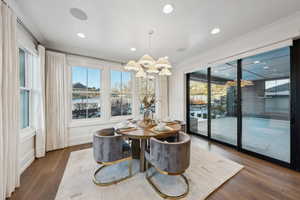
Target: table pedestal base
142,155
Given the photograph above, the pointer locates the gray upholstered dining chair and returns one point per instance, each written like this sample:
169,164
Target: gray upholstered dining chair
110,148
169,158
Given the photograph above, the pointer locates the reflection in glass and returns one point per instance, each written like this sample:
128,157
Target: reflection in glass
223,103
24,109
22,67
266,104
198,102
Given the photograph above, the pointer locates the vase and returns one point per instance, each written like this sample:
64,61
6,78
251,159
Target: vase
148,116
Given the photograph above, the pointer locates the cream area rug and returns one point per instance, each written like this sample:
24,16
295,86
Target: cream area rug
206,173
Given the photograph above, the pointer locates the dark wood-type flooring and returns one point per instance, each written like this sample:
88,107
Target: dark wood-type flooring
258,180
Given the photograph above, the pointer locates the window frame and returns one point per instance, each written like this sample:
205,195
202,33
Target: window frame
105,67
88,66
239,123
28,84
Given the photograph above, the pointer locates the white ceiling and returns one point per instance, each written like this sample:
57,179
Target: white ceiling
114,26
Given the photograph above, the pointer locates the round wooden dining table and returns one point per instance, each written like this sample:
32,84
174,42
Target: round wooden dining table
145,133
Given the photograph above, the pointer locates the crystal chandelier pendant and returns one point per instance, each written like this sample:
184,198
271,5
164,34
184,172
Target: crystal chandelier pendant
141,73
150,77
146,65
163,63
146,61
152,69
165,72
132,65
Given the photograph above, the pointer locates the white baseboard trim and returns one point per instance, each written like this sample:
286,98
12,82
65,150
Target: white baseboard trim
80,140
26,161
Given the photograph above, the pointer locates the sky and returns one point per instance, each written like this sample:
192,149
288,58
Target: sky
81,74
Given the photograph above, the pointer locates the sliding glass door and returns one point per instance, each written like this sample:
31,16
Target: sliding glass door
223,103
266,104
245,103
198,102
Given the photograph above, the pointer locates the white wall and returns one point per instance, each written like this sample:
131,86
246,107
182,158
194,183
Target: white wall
83,133
27,149
255,41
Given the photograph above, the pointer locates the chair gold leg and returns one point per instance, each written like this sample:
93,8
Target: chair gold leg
97,182
166,196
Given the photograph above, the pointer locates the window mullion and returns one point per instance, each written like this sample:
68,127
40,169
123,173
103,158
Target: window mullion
121,93
87,89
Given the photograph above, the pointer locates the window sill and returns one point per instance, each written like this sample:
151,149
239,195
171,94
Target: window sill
84,123
26,134
121,118
97,122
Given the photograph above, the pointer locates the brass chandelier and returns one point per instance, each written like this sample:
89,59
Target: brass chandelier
146,66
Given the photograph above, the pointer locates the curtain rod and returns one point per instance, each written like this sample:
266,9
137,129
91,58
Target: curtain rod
27,30
19,21
92,57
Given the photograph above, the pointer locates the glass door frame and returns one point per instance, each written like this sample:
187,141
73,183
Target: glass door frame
208,110
294,112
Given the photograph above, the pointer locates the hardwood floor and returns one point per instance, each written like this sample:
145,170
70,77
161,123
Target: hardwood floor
258,180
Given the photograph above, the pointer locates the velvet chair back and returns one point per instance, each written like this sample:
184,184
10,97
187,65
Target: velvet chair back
107,146
171,157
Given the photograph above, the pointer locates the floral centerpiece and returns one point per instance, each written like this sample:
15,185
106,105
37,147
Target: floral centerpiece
148,101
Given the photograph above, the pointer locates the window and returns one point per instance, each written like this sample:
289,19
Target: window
223,103
146,87
86,101
251,111
121,93
24,89
266,104
198,105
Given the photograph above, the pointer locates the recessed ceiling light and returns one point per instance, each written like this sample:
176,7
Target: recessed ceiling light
215,31
78,14
81,35
180,49
132,49
256,62
168,8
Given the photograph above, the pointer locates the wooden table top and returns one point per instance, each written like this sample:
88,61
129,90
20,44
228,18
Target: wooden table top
145,133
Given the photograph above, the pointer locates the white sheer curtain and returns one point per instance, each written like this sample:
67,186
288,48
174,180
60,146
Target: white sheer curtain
56,101
9,103
38,102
